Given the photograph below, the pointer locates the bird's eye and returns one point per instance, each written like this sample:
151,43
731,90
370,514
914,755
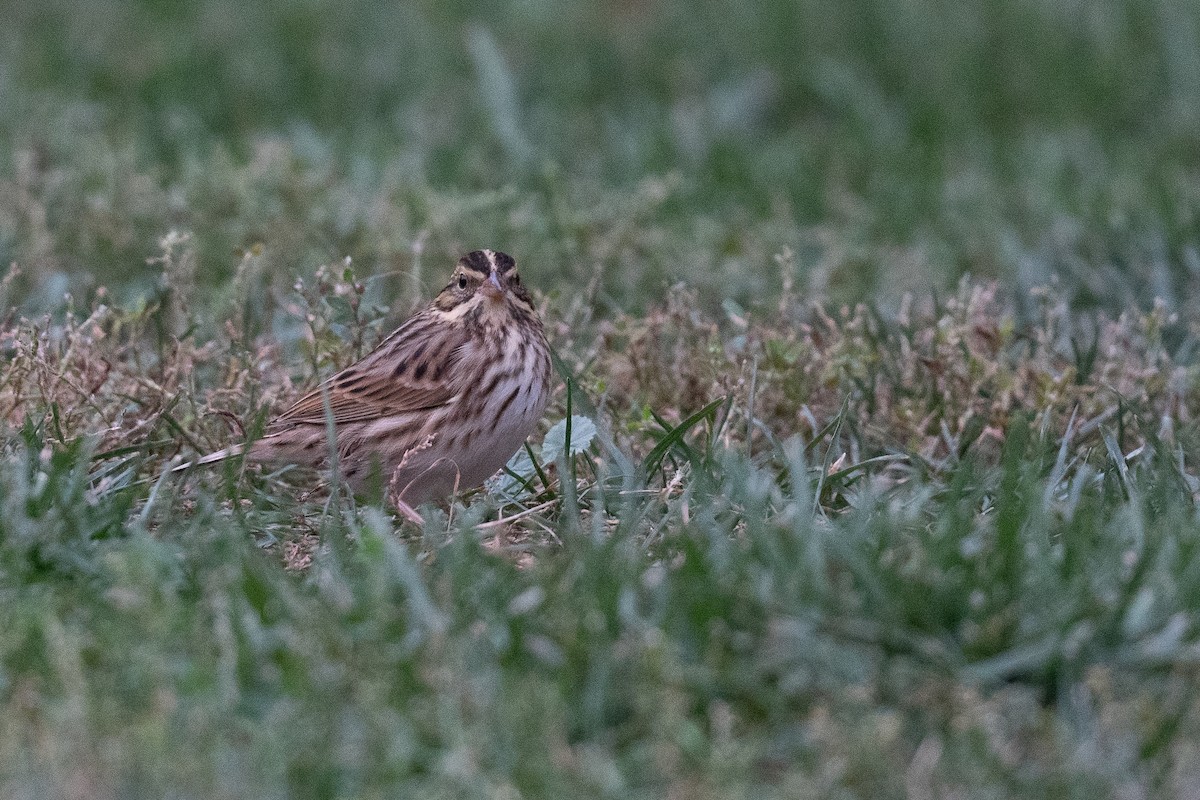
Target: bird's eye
462,281
516,280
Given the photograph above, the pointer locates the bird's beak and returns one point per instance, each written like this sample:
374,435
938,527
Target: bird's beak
491,287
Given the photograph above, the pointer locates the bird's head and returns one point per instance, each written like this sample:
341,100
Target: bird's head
486,278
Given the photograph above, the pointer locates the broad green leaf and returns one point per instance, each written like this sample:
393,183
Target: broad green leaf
519,468
583,430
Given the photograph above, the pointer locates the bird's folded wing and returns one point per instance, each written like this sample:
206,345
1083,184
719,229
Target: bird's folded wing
363,405
378,387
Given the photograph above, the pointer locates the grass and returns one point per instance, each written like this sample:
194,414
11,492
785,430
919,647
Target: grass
871,472
891,146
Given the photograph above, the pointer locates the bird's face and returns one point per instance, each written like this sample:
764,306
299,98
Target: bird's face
487,279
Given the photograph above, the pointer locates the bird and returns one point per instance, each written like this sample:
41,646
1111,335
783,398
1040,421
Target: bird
439,405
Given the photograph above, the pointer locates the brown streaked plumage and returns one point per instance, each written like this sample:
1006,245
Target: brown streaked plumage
441,403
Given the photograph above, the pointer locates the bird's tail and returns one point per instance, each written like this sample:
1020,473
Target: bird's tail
212,458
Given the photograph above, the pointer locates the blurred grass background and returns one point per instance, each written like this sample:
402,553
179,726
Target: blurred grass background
891,144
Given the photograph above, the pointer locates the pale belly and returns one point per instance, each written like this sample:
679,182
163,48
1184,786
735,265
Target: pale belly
456,458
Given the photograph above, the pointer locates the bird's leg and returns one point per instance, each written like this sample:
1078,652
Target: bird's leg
407,511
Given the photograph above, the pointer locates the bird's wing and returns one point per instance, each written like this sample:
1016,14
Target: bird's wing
413,370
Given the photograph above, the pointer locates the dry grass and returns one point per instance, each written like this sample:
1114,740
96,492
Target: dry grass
938,381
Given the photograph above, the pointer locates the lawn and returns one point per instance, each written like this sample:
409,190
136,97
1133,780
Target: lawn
871,468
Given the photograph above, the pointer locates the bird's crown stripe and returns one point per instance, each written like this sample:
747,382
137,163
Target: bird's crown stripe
483,262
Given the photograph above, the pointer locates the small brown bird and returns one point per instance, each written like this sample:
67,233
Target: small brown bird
441,404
